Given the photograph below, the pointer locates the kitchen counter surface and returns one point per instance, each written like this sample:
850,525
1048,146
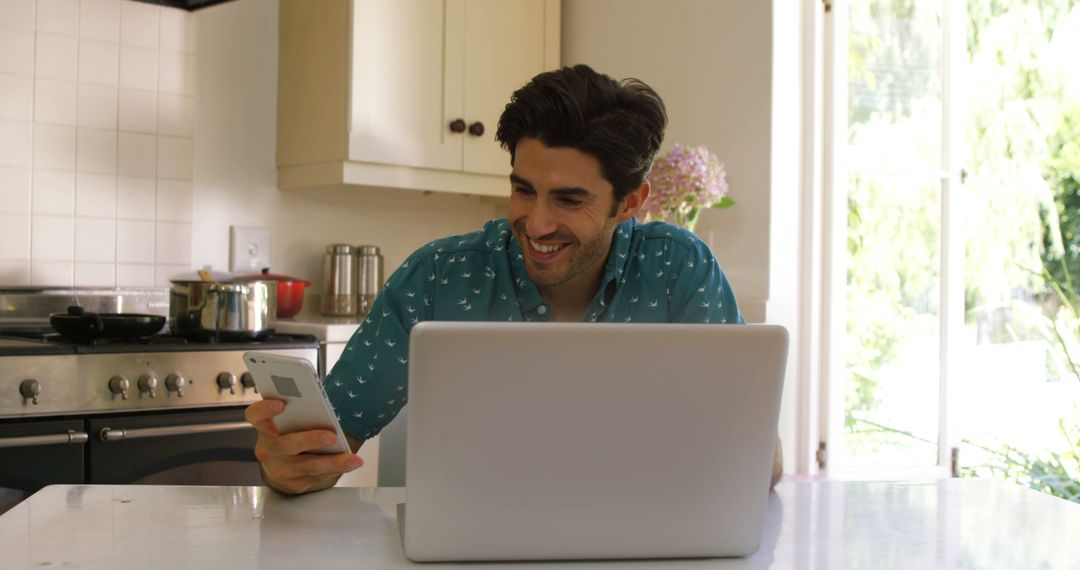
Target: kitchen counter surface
326,329
955,523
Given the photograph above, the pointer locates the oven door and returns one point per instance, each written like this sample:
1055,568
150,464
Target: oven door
184,448
38,453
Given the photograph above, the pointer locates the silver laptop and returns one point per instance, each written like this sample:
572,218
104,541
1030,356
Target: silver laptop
531,441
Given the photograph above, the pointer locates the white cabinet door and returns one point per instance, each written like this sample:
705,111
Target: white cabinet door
406,81
504,49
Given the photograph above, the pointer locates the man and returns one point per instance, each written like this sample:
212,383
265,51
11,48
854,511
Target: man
581,146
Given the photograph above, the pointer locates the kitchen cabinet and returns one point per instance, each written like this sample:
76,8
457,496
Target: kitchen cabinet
405,93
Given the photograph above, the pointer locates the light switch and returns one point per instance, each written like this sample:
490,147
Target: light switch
249,248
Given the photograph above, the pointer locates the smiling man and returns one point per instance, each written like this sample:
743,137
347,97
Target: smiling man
581,145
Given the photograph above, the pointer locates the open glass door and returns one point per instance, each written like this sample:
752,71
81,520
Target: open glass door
896,257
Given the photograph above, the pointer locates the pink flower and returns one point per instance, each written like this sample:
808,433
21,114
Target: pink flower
682,182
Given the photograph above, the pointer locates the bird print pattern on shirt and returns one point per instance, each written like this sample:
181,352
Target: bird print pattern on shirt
655,273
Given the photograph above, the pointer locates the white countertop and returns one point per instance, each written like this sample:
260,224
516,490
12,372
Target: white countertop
955,523
326,329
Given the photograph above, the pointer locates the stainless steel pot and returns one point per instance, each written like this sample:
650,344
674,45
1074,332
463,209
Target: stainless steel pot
219,309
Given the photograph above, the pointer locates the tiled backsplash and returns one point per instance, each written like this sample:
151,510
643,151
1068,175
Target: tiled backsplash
97,115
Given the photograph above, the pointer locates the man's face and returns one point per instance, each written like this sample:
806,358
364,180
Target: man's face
561,212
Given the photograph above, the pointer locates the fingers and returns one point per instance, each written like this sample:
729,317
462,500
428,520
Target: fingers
336,464
261,415
304,473
301,441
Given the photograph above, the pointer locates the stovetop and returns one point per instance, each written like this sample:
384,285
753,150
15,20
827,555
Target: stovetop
23,343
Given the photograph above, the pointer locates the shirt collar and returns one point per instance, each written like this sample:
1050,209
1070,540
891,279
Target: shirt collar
529,295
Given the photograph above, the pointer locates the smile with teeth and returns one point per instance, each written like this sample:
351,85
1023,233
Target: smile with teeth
545,248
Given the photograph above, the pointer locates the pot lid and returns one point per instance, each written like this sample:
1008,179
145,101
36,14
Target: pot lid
267,276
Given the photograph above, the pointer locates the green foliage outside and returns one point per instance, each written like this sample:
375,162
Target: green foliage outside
1020,107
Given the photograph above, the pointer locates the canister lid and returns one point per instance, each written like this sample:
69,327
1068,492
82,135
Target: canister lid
368,249
340,248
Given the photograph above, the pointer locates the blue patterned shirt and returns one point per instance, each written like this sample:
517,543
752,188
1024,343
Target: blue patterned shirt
655,273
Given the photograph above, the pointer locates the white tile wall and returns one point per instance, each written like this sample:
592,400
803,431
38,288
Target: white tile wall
54,147
54,101
99,62
95,239
138,110
14,237
134,241
16,97
95,195
52,273
97,106
57,57
135,198
15,272
52,238
16,138
14,190
17,14
17,52
100,20
58,16
97,127
132,275
53,193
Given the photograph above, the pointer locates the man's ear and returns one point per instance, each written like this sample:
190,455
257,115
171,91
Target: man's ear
633,202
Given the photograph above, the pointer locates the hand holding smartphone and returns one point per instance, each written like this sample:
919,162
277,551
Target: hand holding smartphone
295,381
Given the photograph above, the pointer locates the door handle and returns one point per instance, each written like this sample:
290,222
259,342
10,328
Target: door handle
111,434
69,438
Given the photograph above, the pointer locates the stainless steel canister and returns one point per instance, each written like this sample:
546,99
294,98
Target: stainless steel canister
369,276
339,280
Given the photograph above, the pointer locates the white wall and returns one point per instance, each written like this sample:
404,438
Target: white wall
711,62
235,170
96,136
731,84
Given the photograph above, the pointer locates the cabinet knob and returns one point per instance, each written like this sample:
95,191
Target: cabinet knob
457,126
476,129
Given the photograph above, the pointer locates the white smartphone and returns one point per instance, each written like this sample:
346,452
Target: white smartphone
295,381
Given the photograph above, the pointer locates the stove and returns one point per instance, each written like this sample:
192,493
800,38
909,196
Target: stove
50,375
161,409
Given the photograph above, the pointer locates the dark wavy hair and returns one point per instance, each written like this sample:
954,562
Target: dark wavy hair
620,123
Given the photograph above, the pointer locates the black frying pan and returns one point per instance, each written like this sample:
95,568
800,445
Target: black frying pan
77,323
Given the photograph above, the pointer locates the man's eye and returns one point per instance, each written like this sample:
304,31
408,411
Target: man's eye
570,203
522,191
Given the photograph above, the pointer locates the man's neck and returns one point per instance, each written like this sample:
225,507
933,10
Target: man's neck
569,301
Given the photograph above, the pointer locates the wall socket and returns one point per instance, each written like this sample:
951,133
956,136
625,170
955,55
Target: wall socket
249,249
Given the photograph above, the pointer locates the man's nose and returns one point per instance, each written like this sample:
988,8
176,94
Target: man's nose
540,221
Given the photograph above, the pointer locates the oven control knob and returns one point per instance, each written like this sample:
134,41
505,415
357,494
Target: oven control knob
30,389
148,384
248,381
175,383
119,385
227,380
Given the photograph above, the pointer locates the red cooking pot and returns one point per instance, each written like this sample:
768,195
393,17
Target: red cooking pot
290,291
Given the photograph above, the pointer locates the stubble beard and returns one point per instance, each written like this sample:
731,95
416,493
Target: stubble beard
585,255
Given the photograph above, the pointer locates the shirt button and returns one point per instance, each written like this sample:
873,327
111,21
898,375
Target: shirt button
542,310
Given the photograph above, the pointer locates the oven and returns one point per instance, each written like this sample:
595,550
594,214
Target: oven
154,410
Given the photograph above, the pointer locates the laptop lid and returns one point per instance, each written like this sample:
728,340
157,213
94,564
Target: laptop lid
539,441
